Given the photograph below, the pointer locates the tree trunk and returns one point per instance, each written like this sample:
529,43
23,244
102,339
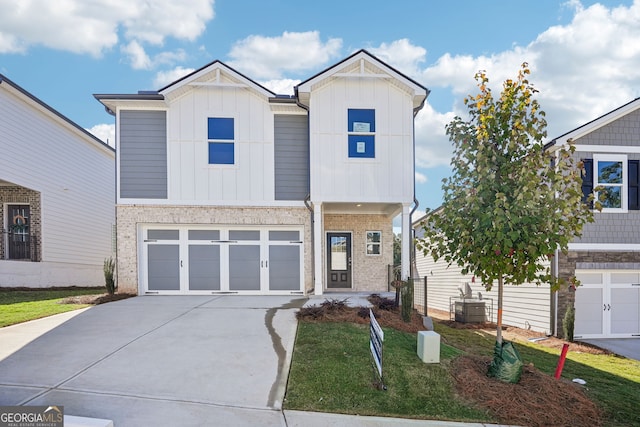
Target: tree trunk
499,322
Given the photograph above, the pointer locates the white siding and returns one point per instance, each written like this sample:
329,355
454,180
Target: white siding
73,173
191,177
334,176
526,306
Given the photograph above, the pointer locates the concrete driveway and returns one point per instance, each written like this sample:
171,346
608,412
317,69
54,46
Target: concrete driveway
627,347
160,360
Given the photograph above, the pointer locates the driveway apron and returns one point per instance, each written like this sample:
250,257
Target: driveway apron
162,360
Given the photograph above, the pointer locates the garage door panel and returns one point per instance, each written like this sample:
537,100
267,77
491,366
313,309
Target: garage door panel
163,267
625,316
244,268
284,268
204,268
589,308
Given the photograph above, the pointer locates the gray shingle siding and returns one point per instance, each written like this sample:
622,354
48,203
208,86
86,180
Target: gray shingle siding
623,131
143,154
612,228
291,139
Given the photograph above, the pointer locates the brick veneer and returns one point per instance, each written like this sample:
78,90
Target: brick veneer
369,272
567,269
130,217
16,195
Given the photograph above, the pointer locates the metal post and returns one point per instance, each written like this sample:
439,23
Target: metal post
426,313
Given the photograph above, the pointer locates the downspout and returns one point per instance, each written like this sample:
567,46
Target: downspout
412,251
307,199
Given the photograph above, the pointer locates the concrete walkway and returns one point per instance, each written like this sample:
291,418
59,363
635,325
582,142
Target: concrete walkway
166,361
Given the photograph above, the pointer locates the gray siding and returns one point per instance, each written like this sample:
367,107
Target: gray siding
610,227
143,154
623,131
291,157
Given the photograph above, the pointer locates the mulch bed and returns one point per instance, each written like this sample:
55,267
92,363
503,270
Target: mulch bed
95,299
537,400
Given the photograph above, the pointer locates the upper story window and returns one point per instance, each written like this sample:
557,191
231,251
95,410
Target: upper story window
618,179
220,135
610,174
361,133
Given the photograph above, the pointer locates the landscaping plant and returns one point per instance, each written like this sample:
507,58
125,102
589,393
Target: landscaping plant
109,278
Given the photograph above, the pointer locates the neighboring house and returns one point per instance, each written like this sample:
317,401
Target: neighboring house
606,259
225,187
57,189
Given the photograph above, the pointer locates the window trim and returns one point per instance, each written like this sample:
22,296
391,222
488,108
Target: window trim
367,243
233,141
624,186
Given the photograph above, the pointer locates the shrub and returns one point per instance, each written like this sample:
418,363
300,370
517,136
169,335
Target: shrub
109,281
568,323
406,300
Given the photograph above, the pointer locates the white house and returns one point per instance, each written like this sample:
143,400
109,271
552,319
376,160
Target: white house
57,191
606,259
224,186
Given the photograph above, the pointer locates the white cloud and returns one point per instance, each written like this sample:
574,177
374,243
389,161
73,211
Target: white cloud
433,147
401,55
270,57
105,132
421,178
137,56
92,27
163,78
281,86
582,70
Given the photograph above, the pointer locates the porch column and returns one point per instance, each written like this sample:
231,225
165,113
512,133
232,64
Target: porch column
406,242
318,232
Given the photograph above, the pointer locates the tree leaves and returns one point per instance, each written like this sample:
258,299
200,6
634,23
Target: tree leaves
500,216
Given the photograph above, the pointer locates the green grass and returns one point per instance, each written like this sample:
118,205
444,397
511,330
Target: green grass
17,306
332,372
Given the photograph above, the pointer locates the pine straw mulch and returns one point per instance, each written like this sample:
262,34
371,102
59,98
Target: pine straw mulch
95,299
537,400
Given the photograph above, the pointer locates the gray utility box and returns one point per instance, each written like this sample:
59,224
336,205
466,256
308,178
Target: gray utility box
470,311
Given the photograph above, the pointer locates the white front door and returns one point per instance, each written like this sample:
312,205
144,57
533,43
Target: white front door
607,304
205,260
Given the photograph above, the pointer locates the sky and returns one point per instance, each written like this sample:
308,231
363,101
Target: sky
584,55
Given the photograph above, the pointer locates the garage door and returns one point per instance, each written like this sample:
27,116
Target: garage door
200,260
607,304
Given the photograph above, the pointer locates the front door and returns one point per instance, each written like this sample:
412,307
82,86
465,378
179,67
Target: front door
338,260
18,220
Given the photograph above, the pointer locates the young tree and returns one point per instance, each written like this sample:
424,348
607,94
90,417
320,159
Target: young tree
509,203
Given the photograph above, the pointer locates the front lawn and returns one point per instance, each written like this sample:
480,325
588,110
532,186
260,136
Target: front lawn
332,372
22,305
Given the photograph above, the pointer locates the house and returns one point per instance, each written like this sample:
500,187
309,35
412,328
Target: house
226,187
57,189
606,259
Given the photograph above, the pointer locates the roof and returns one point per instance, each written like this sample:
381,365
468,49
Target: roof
420,91
52,111
596,123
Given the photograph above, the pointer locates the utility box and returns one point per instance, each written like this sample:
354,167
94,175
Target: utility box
429,346
470,311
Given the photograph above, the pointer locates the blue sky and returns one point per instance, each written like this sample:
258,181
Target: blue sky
584,55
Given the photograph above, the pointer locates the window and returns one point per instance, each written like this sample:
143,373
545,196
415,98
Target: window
610,174
361,133
220,134
374,242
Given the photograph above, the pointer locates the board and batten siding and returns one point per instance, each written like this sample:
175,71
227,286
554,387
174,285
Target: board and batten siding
75,176
291,145
142,151
389,176
191,178
526,306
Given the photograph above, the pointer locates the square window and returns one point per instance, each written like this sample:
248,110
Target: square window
220,135
221,153
374,242
361,120
362,146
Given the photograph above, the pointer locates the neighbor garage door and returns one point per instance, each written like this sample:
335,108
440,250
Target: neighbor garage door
197,260
607,304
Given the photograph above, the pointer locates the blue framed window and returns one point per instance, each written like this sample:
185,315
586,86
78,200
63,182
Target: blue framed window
361,133
221,138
